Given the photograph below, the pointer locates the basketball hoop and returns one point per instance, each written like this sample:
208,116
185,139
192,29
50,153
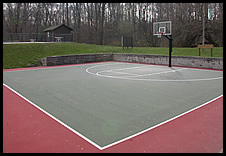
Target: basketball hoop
159,34
164,28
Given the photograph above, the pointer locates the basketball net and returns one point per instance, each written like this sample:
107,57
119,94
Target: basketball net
159,34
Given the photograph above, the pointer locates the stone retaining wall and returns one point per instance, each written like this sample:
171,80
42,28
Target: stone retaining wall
190,61
76,59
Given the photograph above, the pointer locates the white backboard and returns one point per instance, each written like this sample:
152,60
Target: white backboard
162,27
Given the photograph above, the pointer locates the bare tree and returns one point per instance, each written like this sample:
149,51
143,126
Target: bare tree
104,23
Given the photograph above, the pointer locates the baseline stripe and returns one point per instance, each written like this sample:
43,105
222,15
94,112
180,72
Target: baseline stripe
59,121
162,123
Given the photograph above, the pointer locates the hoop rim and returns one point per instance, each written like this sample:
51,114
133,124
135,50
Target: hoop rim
159,34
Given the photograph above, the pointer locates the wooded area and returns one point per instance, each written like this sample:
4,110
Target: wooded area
105,23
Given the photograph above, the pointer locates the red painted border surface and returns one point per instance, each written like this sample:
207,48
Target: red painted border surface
200,131
28,130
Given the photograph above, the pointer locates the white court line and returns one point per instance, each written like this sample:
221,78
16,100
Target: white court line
90,141
119,68
117,142
162,123
98,73
87,69
53,117
131,68
139,79
136,75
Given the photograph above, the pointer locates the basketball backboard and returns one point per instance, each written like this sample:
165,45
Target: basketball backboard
162,28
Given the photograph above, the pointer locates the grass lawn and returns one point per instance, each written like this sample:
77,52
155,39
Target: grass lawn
21,55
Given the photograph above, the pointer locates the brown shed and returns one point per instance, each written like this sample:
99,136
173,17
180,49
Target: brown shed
60,32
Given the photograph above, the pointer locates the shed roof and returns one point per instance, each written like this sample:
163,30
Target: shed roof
56,26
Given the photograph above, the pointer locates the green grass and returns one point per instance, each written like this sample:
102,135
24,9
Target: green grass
21,55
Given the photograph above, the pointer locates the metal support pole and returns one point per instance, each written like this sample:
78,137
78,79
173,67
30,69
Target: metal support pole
170,49
169,37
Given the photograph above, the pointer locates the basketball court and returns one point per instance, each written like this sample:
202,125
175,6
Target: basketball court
112,107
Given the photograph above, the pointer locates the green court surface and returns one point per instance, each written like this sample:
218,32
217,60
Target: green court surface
109,101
